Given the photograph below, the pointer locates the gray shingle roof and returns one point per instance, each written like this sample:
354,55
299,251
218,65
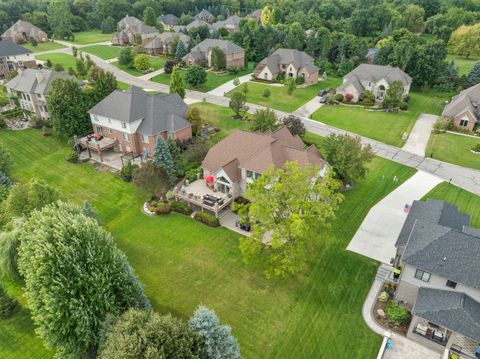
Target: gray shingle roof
204,14
233,20
22,27
9,48
282,56
454,310
158,113
374,73
468,99
201,50
198,23
169,19
167,38
131,23
28,80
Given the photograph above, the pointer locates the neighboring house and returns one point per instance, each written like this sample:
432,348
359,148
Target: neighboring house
168,21
374,78
464,109
243,156
201,53
195,24
135,119
440,277
290,63
22,32
231,24
14,57
161,44
129,27
257,15
205,15
31,87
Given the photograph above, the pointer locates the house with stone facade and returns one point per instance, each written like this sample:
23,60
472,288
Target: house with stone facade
464,109
162,43
23,32
129,28
287,63
438,253
14,57
132,120
201,54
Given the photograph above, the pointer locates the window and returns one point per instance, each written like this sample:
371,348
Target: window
451,284
463,123
99,129
256,175
124,125
110,131
125,136
145,138
249,174
422,275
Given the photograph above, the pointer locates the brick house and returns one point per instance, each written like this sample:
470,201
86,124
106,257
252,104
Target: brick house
231,24
135,119
201,54
23,31
168,21
464,108
129,27
205,15
162,44
14,57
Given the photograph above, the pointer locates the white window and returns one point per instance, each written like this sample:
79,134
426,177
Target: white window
249,174
463,122
124,125
125,136
422,275
144,138
110,131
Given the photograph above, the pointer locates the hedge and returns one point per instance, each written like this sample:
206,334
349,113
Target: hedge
206,218
181,207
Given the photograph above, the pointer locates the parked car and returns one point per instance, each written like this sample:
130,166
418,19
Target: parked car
323,99
323,92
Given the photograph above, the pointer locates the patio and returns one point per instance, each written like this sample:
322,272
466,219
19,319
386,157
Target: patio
109,158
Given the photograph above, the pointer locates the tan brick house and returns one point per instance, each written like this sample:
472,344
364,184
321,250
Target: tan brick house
201,54
129,27
14,57
23,31
162,44
464,108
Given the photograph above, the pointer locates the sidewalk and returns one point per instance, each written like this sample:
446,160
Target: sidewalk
229,86
152,74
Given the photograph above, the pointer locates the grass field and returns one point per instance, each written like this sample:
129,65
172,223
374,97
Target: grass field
213,80
183,263
382,126
453,148
105,52
65,60
464,65
156,64
279,99
44,46
90,37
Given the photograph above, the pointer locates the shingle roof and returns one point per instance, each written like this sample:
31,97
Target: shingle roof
28,80
22,27
158,113
256,14
169,19
468,99
374,73
204,14
454,310
282,56
257,151
131,23
167,38
198,23
201,50
9,48
233,20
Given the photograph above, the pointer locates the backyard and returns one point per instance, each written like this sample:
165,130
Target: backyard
464,65
183,263
44,46
279,99
105,52
90,37
382,126
156,64
454,149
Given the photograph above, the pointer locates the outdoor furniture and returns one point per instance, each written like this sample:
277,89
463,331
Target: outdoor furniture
421,329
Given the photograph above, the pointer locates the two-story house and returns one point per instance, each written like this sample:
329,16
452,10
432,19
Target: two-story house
129,28
23,31
374,78
438,253
162,44
464,109
168,21
231,24
205,15
14,57
288,63
135,119
201,54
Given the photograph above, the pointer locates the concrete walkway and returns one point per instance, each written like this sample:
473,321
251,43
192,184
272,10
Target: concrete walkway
229,86
309,108
379,231
418,139
152,74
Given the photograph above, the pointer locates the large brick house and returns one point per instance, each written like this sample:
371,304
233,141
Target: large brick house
162,44
14,57
129,27
23,31
168,21
135,119
201,54
205,15
464,109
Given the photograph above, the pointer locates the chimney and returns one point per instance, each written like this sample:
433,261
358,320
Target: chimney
39,76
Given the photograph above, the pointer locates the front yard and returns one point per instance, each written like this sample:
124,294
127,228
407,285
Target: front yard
43,46
105,52
279,99
155,61
382,126
90,37
184,263
454,149
65,60
464,65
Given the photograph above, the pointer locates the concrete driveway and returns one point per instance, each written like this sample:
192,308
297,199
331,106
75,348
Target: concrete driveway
379,231
309,108
229,86
418,139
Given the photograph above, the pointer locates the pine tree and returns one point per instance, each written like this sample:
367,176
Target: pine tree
176,82
163,158
181,51
473,77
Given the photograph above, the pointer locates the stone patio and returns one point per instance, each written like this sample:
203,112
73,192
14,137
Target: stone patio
111,159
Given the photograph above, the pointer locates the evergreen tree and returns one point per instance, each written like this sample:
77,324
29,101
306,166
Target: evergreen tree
473,77
177,156
163,158
176,82
180,51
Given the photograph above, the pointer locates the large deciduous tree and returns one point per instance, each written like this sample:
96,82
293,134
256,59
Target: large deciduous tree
218,58
263,120
413,18
149,17
237,102
465,41
60,19
101,84
196,76
151,178
394,95
289,206
294,125
126,57
176,82
74,276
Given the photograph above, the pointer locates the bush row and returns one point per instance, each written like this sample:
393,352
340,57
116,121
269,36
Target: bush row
206,218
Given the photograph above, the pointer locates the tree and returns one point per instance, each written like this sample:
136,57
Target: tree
394,95
290,85
163,158
264,120
266,16
465,41
74,276
177,156
142,62
218,341
126,57
151,178
176,82
289,206
196,76
473,77
180,50
347,156
9,242
60,19
58,67
146,334
195,118
413,18
101,83
237,102
5,160
218,58
149,17
81,69
294,125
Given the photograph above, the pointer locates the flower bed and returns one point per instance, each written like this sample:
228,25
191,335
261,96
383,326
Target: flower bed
389,314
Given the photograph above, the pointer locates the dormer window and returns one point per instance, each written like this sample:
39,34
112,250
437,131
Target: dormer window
124,125
451,284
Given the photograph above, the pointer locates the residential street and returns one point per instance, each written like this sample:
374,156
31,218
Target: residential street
418,139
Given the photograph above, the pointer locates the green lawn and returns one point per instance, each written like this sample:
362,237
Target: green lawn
89,37
279,99
382,126
105,52
44,46
122,85
464,65
183,263
453,148
65,60
156,64
213,80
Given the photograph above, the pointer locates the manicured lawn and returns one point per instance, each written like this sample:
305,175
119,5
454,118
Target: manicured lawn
213,80
122,85
44,46
65,60
183,263
89,37
382,126
156,64
464,65
103,51
453,148
279,99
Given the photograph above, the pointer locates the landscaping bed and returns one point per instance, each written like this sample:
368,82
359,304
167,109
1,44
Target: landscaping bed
386,304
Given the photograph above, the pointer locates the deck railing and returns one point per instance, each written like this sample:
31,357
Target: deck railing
198,201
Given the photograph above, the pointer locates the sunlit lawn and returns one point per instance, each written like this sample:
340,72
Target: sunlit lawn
454,148
464,64
44,46
105,52
155,61
65,60
90,37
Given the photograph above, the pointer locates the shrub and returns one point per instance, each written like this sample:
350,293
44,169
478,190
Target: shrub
339,97
168,68
233,70
7,304
367,97
163,208
300,80
206,218
236,82
383,297
403,106
181,207
266,93
396,313
3,124
476,148
349,97
450,125
5,180
439,126
191,174
127,171
72,157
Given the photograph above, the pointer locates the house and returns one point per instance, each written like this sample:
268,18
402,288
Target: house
464,108
256,15
129,27
440,277
289,63
231,24
134,119
374,78
195,24
205,15
168,21
14,57
161,44
201,54
23,31
31,87
243,156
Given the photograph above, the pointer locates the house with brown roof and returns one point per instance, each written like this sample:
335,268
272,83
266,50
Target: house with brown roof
243,156
201,54
162,44
464,109
23,31
129,27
